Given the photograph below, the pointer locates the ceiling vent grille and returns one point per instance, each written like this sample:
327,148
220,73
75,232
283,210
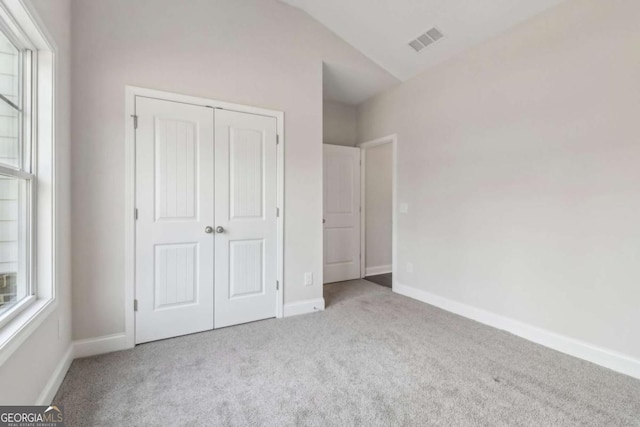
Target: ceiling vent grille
423,40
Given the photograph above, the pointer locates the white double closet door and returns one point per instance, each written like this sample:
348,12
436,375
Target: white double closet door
206,228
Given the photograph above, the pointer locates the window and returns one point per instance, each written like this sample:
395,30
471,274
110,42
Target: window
27,184
16,177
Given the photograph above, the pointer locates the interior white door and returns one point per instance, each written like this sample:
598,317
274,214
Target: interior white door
175,203
246,219
341,213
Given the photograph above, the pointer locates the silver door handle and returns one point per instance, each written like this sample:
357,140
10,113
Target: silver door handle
208,229
219,229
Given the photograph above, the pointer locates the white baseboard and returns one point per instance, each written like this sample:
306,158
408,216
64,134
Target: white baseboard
105,344
51,387
380,269
303,307
601,356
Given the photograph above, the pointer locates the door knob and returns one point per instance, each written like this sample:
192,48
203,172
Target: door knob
219,229
208,229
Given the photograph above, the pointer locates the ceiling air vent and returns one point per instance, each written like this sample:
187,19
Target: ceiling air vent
416,45
424,40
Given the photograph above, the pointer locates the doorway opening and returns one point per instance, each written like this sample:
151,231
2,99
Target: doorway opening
378,177
358,213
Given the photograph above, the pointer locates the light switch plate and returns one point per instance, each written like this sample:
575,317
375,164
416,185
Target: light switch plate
404,207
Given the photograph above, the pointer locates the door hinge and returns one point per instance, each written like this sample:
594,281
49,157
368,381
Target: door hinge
278,212
277,285
135,121
135,213
135,305
277,139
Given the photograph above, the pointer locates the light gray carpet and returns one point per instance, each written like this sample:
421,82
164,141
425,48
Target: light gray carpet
372,358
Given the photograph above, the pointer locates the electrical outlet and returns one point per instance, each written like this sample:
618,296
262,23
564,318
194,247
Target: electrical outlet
404,208
409,267
308,279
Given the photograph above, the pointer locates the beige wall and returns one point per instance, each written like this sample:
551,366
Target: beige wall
378,203
254,52
24,375
519,161
339,123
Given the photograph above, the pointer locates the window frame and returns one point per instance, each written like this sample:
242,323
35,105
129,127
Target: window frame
25,171
20,17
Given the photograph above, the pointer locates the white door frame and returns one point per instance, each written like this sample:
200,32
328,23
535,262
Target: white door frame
393,140
130,191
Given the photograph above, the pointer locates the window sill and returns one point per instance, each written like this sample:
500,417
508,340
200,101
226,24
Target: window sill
21,327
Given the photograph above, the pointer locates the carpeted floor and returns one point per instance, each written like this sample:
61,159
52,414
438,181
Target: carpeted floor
371,358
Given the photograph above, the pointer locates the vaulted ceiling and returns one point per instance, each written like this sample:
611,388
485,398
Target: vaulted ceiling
382,29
